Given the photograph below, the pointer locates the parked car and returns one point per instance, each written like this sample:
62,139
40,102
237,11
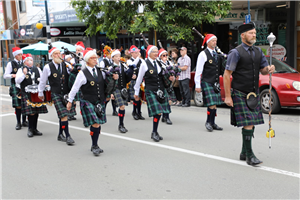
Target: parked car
285,88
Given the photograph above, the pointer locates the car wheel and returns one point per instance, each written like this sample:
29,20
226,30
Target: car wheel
198,99
264,101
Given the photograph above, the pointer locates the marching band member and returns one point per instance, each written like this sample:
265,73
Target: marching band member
121,93
58,75
208,70
136,61
91,82
10,73
156,94
24,78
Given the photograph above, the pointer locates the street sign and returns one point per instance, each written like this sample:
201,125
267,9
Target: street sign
248,18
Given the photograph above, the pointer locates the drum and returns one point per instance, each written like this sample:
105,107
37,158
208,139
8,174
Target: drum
32,93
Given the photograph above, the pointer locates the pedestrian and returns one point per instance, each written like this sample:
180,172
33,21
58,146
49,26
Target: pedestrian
156,94
57,74
25,77
184,79
38,65
91,82
208,70
175,56
245,63
100,57
127,52
14,89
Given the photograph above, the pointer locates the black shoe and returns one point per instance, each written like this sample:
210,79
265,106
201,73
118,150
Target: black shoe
169,121
216,127
62,138
140,116
25,124
69,140
242,156
36,132
122,129
134,114
186,105
73,118
252,160
18,126
30,133
163,119
208,127
160,138
96,150
115,113
69,118
155,136
180,104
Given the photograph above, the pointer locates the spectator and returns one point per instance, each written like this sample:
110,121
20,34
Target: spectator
184,79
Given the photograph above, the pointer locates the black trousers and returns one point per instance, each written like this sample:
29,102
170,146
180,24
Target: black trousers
184,86
177,93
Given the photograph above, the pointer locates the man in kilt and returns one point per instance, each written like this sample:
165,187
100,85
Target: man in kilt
156,94
208,69
91,81
104,64
136,62
14,90
24,78
58,75
121,93
244,63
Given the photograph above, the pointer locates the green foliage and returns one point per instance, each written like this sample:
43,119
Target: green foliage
172,19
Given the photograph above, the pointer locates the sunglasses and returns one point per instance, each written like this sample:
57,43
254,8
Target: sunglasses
165,55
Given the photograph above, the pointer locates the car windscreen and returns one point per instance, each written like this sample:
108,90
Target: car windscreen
281,67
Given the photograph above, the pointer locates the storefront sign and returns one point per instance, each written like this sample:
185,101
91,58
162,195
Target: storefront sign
234,15
67,31
278,51
63,16
29,32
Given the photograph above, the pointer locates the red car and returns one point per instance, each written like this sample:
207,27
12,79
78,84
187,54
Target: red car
285,88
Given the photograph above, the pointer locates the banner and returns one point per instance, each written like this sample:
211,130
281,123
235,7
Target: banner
67,31
29,32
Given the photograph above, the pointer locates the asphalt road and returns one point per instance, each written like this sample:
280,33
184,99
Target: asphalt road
190,163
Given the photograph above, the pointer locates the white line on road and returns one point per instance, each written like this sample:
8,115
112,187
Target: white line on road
4,99
6,95
8,114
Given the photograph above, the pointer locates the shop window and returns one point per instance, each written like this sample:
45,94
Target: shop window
22,6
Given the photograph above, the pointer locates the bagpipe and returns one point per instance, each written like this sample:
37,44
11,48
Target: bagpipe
75,67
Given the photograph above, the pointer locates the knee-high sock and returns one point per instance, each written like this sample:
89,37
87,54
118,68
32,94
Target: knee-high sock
36,116
23,118
95,132
65,127
213,116
31,122
60,128
121,117
209,114
138,107
113,105
18,115
156,119
135,104
247,140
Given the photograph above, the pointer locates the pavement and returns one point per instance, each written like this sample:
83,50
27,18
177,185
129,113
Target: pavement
190,163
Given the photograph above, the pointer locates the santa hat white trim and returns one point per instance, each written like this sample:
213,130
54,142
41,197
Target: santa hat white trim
89,54
17,52
164,51
27,58
80,44
151,49
115,52
51,51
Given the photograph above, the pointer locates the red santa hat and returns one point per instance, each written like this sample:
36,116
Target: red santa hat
89,52
80,44
133,48
16,51
208,38
161,51
115,52
149,49
51,51
26,56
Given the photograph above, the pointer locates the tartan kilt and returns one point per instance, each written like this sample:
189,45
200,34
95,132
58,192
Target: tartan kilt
15,94
119,100
89,116
61,110
131,89
29,110
154,107
210,98
242,114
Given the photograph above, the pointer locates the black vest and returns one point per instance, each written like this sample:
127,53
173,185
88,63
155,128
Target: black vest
59,82
27,80
153,80
122,78
137,65
14,69
93,90
247,71
211,69
107,64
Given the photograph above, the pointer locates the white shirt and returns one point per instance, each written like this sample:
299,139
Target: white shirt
20,76
44,77
8,70
81,80
82,62
134,62
143,69
102,64
202,58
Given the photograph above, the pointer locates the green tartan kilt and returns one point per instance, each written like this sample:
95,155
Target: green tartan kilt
29,110
154,107
15,94
59,106
89,116
210,98
242,114
119,100
131,89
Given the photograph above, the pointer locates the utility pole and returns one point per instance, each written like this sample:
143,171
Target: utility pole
47,27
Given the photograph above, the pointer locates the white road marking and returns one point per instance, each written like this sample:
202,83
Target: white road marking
4,99
242,163
6,95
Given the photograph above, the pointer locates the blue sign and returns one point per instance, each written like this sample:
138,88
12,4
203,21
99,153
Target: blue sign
247,18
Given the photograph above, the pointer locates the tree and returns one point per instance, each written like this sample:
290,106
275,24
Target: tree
172,19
